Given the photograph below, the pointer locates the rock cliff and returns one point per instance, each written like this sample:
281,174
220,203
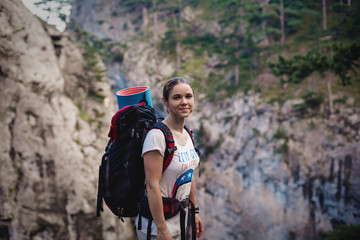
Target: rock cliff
53,132
270,175
268,172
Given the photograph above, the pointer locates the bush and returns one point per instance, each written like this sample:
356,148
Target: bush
344,232
312,100
281,134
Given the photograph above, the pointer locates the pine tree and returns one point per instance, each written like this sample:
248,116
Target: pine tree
139,6
324,25
338,59
233,29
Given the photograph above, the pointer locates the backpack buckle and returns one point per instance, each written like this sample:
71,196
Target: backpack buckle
173,149
185,203
120,213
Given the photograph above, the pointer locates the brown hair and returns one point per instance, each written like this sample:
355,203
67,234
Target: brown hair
170,85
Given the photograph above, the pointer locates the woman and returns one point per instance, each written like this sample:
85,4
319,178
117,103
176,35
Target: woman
177,180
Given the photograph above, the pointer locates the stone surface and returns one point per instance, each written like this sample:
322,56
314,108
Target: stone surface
49,152
258,186
267,172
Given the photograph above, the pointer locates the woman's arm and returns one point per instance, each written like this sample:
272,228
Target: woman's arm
198,222
153,164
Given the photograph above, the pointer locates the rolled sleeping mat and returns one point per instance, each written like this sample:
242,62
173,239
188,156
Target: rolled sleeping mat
133,95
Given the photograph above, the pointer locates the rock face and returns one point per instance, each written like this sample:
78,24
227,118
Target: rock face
274,176
53,134
268,172
108,19
104,18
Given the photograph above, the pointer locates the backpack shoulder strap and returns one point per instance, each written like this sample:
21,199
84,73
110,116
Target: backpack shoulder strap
191,134
192,139
170,143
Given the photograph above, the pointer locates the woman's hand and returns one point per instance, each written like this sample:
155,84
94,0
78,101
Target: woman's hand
163,234
199,226
198,222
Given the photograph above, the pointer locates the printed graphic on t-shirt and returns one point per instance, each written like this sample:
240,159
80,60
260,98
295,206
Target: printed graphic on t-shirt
183,179
188,159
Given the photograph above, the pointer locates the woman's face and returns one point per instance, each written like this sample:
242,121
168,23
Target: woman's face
181,100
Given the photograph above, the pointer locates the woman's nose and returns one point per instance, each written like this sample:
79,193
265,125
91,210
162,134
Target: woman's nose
183,100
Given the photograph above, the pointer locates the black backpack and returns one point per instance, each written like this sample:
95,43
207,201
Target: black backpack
121,173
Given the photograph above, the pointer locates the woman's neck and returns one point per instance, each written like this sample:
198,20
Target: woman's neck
174,123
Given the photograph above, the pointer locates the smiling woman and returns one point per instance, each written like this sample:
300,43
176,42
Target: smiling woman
54,12
177,181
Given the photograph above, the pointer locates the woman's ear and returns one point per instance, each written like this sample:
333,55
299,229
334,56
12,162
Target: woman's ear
165,104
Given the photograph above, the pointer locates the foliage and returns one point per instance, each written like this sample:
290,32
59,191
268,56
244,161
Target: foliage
346,57
344,232
104,48
95,51
281,134
118,57
204,146
206,42
312,100
346,21
96,96
135,5
83,114
168,44
92,63
242,34
338,58
279,100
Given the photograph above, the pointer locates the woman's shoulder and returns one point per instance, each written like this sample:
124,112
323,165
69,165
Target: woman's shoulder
155,131
154,140
155,134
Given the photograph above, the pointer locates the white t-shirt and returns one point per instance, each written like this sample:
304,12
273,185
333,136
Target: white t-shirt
176,179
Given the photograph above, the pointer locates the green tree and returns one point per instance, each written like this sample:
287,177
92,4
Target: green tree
347,19
232,36
338,58
324,20
344,232
281,18
176,28
139,6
